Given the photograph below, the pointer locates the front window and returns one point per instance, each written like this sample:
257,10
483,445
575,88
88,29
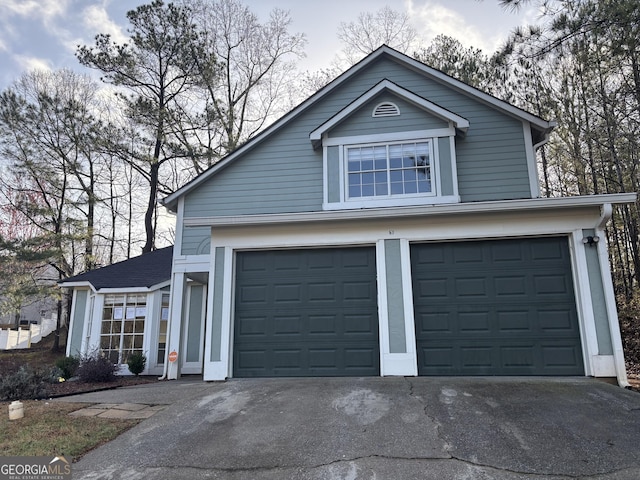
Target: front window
122,332
389,170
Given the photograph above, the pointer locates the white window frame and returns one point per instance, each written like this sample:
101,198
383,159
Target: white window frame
428,198
435,185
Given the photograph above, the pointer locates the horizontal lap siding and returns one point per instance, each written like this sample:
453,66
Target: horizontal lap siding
284,173
196,240
361,122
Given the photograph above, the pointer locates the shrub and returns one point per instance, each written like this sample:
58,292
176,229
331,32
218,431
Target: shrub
136,362
95,367
68,366
24,384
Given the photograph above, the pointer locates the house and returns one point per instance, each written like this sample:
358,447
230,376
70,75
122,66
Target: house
391,224
122,309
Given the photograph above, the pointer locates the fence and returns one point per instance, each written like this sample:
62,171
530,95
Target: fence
25,337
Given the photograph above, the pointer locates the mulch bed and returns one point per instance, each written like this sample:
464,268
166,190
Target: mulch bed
72,387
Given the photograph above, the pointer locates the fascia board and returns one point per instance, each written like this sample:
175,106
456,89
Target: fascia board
84,284
460,122
499,206
468,89
134,289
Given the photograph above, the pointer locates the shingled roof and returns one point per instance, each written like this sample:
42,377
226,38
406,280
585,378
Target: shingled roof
144,271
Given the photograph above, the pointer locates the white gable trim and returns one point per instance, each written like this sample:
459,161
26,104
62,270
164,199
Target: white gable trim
386,85
170,201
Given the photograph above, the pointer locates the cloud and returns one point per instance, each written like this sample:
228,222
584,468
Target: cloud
96,19
31,63
42,9
432,19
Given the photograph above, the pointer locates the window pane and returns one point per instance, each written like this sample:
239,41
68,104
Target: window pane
410,187
424,186
397,188
139,326
105,343
367,190
128,326
381,164
367,178
354,191
116,327
106,327
381,189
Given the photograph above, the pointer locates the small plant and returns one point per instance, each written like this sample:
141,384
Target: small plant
24,384
136,362
68,366
95,367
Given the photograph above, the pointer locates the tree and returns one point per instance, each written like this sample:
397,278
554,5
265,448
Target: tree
156,70
371,30
587,57
257,69
469,65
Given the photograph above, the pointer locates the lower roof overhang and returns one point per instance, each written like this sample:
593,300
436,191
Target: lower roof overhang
502,206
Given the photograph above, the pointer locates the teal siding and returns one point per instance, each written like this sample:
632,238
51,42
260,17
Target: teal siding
598,301
444,164
216,327
196,240
333,173
284,173
411,118
194,323
395,304
78,322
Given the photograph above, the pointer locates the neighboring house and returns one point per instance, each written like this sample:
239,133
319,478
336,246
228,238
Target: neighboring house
121,309
391,224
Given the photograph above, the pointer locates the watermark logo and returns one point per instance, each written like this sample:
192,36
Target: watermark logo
35,468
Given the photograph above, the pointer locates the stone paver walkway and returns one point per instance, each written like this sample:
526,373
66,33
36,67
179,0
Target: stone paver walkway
123,411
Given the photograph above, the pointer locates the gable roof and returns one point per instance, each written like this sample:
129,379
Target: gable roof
146,271
538,125
459,122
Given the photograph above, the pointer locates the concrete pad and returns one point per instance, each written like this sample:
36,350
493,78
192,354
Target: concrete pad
142,414
88,412
383,428
132,407
116,414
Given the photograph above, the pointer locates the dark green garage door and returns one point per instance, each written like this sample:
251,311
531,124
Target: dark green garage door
498,307
306,313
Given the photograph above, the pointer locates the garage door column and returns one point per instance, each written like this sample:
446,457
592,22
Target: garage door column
397,332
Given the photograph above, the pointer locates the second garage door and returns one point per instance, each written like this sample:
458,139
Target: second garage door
499,307
306,313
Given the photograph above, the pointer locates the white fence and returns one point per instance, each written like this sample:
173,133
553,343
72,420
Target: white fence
25,337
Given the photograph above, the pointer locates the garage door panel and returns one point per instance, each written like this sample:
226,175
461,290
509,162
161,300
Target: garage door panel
319,316
508,309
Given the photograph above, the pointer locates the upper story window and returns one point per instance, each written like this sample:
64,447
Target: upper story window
385,170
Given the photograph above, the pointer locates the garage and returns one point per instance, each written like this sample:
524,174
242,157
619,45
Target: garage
306,312
495,307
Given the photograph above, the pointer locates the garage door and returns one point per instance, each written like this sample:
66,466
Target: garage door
306,313
500,307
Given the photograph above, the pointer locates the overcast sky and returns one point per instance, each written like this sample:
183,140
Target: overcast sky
45,33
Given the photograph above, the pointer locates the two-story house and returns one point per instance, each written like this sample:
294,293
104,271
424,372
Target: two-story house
391,224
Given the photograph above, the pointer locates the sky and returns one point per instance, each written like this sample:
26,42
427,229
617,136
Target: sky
44,34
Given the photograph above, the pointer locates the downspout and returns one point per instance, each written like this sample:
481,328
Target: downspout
612,312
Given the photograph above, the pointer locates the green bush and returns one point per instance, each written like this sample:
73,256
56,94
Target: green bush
68,366
24,384
136,362
95,367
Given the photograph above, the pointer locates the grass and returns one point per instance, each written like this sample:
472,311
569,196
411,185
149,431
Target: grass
47,430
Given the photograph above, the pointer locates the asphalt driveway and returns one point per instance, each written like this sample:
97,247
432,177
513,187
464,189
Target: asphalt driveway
374,428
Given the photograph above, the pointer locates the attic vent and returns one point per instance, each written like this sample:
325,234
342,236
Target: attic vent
386,109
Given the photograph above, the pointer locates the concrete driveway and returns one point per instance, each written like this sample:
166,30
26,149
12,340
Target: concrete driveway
374,428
